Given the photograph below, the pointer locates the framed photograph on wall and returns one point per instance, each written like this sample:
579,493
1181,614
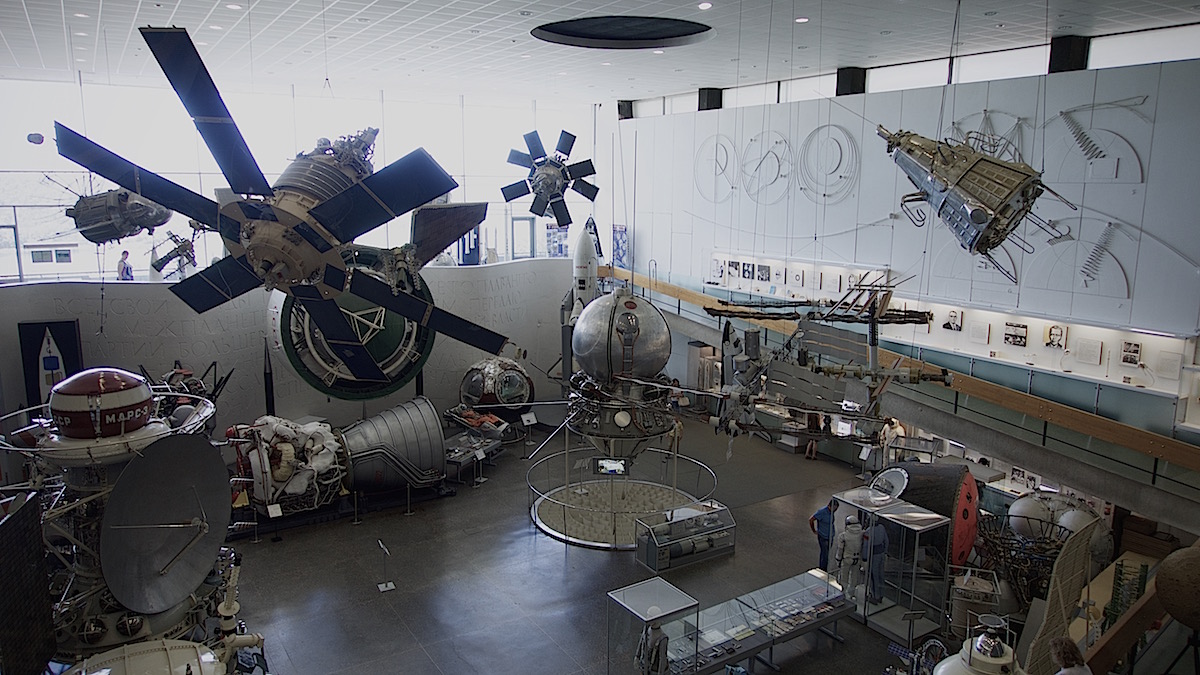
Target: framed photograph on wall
1131,353
954,320
979,332
1016,334
1088,351
716,271
1055,336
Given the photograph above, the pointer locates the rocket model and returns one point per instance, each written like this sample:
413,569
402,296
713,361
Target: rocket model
51,364
585,287
981,199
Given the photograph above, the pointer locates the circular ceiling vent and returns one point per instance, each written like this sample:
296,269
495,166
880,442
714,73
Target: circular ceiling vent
623,32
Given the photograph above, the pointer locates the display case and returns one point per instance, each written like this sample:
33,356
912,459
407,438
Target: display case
790,607
726,633
646,625
685,535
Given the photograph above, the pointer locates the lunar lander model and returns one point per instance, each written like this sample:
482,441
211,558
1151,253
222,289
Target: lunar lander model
134,506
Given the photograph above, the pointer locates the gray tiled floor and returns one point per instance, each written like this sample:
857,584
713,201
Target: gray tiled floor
480,590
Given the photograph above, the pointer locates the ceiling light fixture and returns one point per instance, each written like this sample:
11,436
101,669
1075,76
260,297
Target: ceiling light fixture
81,34
202,44
233,6
885,32
81,15
999,25
217,27
363,19
606,63
705,5
525,13
802,19
527,56
658,51
81,60
989,13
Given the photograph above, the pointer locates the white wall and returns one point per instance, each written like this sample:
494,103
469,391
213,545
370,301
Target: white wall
145,324
683,210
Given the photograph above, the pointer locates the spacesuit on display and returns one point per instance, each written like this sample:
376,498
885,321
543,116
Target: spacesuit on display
651,654
846,556
874,552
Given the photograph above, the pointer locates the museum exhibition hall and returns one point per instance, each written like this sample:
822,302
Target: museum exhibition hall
636,337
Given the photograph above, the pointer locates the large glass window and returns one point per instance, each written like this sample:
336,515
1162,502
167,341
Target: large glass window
42,256
62,255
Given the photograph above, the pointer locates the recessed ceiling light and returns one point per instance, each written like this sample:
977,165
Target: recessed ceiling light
658,51
885,32
802,19
705,5
202,44
363,19
527,56
999,25
81,15
233,6
802,47
80,47
606,63
217,27
81,34
82,60
474,31
989,13
525,13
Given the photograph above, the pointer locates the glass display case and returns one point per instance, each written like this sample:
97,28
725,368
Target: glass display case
789,607
647,622
685,535
725,633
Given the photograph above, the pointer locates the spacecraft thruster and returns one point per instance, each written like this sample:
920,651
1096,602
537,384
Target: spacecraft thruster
113,215
291,467
292,236
981,199
619,400
550,176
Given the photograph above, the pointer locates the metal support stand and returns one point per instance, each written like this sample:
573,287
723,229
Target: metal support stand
408,499
912,618
385,585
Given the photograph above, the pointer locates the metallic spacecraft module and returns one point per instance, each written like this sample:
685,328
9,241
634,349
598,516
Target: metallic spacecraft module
981,199
550,176
294,236
115,214
135,505
619,400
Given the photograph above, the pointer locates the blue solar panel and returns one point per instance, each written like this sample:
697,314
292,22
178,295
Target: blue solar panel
217,284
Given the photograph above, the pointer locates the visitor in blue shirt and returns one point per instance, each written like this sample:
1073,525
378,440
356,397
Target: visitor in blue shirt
821,524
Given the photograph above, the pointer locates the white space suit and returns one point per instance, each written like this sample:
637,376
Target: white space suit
846,550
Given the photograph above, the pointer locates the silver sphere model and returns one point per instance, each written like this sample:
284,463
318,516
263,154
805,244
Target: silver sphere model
498,381
619,334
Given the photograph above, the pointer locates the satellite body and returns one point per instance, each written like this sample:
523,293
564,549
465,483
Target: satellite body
619,399
112,215
981,198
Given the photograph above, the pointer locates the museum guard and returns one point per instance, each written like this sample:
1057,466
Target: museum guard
821,524
846,556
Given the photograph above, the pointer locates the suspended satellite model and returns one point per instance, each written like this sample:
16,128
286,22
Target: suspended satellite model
295,236
115,214
981,198
550,176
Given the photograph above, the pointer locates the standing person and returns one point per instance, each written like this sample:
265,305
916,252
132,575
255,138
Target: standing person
845,556
874,552
675,395
821,524
1065,654
124,269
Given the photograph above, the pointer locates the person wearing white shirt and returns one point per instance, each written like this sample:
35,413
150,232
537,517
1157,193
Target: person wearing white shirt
1066,655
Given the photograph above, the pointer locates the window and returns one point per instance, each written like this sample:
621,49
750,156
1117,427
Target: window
43,256
62,255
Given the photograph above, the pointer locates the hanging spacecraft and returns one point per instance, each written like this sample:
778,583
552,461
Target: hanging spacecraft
981,198
296,235
115,214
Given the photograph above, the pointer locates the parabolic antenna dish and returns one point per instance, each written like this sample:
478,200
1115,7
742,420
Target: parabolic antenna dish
164,523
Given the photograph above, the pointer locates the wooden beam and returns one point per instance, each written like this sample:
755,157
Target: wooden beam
1171,450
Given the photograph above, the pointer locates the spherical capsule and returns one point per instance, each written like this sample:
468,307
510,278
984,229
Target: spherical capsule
619,334
101,402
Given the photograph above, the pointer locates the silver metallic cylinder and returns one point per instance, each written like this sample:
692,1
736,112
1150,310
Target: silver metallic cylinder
399,446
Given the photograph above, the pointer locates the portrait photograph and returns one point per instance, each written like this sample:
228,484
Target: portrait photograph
1055,336
954,320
